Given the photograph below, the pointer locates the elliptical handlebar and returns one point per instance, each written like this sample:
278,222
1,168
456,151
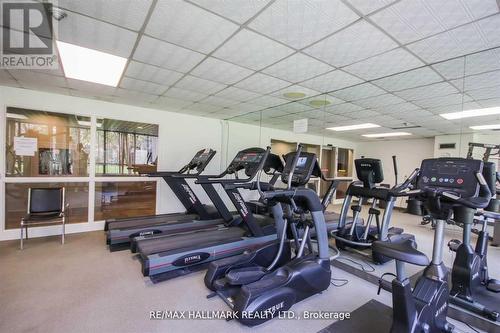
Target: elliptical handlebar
294,164
397,190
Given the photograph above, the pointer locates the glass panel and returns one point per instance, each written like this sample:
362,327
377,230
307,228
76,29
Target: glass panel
345,162
16,201
124,199
43,143
125,148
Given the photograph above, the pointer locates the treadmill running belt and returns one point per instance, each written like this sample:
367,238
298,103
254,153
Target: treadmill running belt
151,220
372,316
195,239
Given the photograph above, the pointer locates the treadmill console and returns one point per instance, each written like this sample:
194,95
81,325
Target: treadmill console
201,159
248,160
369,171
451,174
307,167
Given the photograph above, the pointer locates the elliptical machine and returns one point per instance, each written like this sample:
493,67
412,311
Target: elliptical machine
360,237
257,286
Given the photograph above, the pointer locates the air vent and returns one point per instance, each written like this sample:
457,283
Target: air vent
447,146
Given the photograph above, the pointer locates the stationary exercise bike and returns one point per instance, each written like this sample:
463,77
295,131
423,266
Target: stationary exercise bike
447,186
470,269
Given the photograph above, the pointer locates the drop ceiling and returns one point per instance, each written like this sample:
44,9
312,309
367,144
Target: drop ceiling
393,63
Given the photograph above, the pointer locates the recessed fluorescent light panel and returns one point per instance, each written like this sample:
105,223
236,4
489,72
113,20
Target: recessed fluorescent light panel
353,127
486,127
90,65
471,113
384,135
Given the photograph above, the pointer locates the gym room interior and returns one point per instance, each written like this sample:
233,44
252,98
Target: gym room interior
257,166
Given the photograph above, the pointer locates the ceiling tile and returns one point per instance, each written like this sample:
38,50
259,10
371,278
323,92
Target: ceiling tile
298,67
252,50
343,109
359,41
331,81
363,114
488,103
202,107
248,107
300,23
397,108
199,85
358,92
392,62
6,79
220,71
143,86
168,102
126,13
267,101
489,28
453,43
29,79
409,20
130,96
262,83
454,107
432,90
442,101
478,81
410,79
97,35
295,89
187,95
476,63
367,7
239,11
187,25
90,88
237,94
379,101
219,101
151,73
163,54
485,93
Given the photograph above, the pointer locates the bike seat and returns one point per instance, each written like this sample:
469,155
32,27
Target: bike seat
404,251
245,275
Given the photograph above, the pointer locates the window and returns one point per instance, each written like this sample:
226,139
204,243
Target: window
124,199
125,148
42,144
16,201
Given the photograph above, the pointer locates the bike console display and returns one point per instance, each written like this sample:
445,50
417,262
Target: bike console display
369,171
454,175
307,166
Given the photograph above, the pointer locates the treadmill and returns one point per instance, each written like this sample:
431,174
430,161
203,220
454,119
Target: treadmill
197,215
169,256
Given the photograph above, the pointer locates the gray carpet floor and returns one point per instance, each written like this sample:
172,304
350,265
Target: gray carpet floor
81,287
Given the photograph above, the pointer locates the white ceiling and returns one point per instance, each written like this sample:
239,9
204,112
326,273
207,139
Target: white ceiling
394,63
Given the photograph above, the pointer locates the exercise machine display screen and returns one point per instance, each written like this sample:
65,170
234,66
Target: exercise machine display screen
247,158
455,174
301,162
307,166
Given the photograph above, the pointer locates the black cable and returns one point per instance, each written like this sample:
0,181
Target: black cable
370,267
343,282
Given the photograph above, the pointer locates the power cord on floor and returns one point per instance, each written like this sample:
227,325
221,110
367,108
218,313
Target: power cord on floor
370,268
338,285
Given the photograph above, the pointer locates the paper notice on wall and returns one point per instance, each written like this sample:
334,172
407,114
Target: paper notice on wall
25,146
300,125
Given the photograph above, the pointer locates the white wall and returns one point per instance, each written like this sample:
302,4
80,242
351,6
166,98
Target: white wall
409,154
179,137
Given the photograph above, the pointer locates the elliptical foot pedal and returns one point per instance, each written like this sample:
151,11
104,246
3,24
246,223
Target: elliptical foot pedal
454,244
493,285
